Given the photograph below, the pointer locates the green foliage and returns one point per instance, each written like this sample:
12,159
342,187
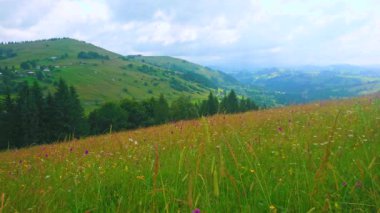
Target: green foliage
153,111
137,115
69,114
161,110
209,106
110,116
92,55
198,78
230,103
183,109
28,64
30,118
7,53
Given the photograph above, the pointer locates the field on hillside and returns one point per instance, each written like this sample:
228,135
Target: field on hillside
320,157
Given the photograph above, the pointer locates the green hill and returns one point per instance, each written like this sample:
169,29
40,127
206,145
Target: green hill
101,76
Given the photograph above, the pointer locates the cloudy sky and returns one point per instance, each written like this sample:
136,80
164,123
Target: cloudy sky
214,32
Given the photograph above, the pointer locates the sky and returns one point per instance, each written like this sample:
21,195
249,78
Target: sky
224,33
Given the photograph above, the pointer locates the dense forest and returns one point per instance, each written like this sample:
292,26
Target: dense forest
30,118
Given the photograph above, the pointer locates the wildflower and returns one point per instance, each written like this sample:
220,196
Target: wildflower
46,155
272,208
140,177
86,152
196,210
280,129
344,184
253,171
71,149
358,184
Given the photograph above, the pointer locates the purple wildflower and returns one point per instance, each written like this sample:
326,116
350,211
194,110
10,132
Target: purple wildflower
280,129
46,155
71,149
196,210
344,183
86,152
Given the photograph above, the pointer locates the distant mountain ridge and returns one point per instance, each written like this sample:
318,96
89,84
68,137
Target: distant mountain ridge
312,83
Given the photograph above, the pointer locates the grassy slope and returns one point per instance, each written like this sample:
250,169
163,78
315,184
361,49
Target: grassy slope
221,79
316,157
98,81
180,65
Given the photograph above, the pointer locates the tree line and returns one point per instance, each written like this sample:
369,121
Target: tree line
30,118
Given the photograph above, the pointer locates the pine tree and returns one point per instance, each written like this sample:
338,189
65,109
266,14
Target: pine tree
7,122
49,117
212,104
161,110
77,119
36,102
68,113
148,107
61,105
230,103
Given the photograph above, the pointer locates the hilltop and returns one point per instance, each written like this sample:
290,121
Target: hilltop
320,157
101,76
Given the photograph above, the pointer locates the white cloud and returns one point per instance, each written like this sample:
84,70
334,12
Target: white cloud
215,31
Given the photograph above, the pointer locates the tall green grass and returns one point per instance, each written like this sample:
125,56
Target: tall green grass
321,157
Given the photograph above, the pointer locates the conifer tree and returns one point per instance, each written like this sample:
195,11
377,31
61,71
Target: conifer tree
148,107
212,104
7,121
68,113
161,110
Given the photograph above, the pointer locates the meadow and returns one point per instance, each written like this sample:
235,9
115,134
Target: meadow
319,157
